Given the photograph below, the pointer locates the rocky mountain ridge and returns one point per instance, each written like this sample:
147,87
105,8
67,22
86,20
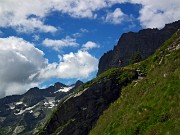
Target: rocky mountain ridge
150,104
78,113
24,113
145,42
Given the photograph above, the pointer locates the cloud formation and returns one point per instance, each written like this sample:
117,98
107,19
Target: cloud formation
58,44
73,65
115,17
23,66
25,17
18,60
155,14
89,45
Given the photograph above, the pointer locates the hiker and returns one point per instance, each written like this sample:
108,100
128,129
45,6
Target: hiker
120,62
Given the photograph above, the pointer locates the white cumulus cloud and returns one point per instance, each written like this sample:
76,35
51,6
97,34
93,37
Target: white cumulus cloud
80,8
25,17
73,65
18,60
23,66
58,44
90,45
115,17
155,14
36,37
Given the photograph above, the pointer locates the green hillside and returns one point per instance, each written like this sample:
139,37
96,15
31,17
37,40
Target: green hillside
149,105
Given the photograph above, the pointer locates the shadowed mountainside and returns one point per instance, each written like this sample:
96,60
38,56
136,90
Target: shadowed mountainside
150,104
145,42
22,114
144,98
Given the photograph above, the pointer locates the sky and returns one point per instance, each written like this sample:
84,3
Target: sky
46,41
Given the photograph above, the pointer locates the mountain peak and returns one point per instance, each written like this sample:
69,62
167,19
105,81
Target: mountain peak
145,42
78,82
59,85
26,112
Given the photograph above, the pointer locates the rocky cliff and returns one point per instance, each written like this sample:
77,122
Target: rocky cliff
150,104
77,114
141,98
144,42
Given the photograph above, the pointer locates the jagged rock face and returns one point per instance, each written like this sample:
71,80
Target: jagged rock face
145,41
79,113
21,114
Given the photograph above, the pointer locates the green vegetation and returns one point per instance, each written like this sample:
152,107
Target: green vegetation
136,57
7,131
60,128
2,131
119,73
122,75
149,105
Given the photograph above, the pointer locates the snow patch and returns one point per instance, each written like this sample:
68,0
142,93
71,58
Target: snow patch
67,98
19,103
31,111
81,92
27,109
49,102
11,106
65,89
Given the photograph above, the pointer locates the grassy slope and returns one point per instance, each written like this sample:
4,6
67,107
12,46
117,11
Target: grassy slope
149,105
122,75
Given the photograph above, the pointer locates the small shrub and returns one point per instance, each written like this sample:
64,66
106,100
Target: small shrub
136,57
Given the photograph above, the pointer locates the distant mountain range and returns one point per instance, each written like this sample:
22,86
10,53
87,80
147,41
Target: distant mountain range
24,113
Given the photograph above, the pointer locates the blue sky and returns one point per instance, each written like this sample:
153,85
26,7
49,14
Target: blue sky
42,42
